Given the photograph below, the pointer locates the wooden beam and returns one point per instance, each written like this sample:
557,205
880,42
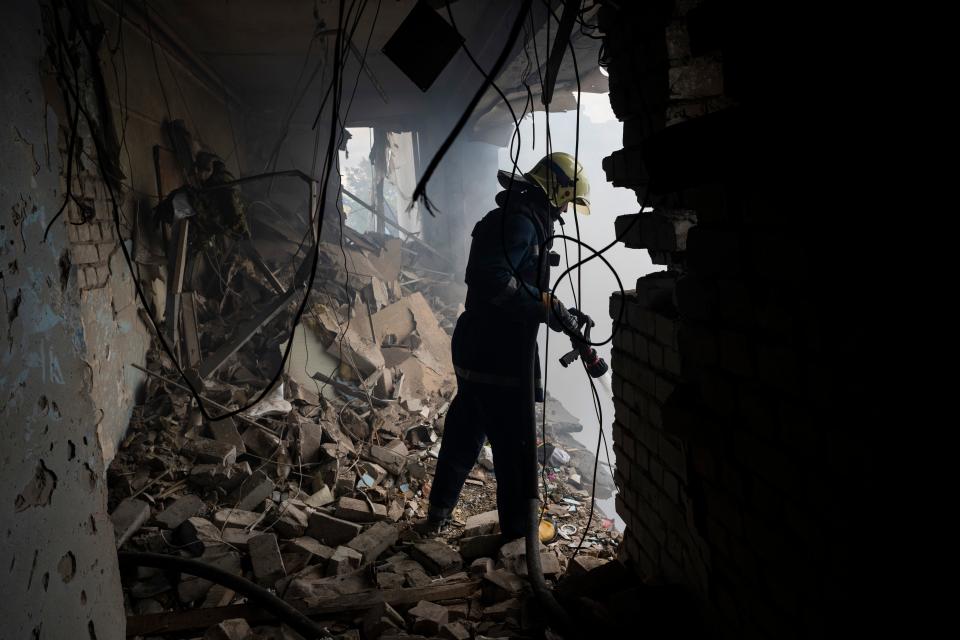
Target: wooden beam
198,619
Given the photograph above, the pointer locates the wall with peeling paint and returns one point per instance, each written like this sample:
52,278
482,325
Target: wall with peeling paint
56,543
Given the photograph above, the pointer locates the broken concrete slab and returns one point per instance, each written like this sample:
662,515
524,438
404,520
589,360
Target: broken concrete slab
374,541
436,557
182,508
265,558
343,561
359,510
210,451
331,531
427,617
481,524
128,517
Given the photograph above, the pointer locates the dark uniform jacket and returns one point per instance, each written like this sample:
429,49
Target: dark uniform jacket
488,342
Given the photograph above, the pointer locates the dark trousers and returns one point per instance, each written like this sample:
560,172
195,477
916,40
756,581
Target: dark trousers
485,412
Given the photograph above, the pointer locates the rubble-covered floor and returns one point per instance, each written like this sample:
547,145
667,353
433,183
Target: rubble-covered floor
313,492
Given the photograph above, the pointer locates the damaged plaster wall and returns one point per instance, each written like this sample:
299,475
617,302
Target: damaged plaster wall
57,550
147,84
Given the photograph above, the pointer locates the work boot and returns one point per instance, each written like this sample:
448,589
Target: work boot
436,521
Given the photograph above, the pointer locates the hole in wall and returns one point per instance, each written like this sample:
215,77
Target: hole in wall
83,597
91,630
46,580
67,566
71,450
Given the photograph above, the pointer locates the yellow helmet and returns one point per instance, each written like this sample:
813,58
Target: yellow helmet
562,178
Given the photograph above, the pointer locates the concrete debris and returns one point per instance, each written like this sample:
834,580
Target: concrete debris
312,492
184,507
374,541
265,558
234,629
486,458
437,557
344,560
330,530
481,524
427,618
209,450
360,510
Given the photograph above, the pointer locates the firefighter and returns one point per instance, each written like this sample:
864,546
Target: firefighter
508,289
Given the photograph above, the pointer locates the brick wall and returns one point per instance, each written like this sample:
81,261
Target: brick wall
742,472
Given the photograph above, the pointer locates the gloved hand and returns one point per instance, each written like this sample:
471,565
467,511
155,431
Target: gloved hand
559,318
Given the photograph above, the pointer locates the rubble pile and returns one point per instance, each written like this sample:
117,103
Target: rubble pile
313,491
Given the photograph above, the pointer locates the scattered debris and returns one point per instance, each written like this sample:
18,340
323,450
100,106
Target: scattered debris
313,491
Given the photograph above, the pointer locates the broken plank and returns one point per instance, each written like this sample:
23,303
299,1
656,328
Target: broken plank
196,619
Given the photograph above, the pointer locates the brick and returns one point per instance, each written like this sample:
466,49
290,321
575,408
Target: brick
344,560
196,535
331,531
265,558
182,508
501,584
84,254
436,557
233,629
236,518
290,521
374,541
128,517
697,299
393,461
207,450
359,510
427,618
254,491
261,443
481,523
